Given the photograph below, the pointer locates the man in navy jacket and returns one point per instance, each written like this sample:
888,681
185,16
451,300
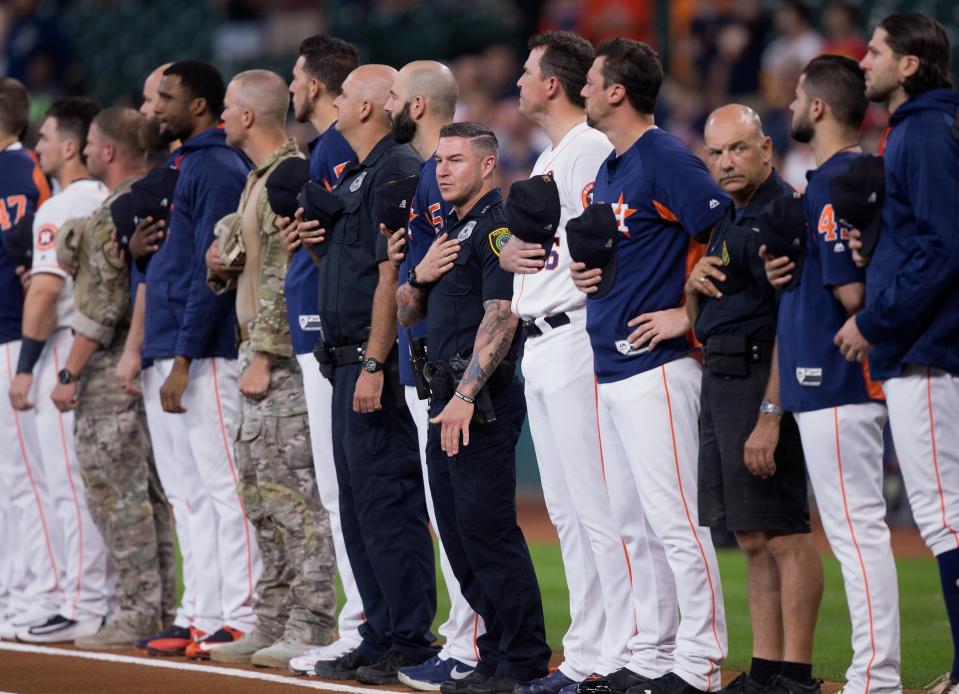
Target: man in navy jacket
190,333
910,325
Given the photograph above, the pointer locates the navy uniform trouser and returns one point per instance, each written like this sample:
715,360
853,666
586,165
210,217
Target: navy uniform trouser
474,497
383,514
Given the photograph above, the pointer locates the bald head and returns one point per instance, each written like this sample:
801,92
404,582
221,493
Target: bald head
738,152
264,93
362,98
431,81
150,87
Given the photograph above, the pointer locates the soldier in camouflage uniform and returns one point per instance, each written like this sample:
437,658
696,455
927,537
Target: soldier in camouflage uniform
295,599
113,446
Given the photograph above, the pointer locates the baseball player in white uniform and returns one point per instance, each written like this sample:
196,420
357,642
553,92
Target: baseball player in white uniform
48,312
558,370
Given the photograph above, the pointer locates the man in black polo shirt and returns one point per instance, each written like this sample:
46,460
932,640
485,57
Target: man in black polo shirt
751,473
382,503
477,411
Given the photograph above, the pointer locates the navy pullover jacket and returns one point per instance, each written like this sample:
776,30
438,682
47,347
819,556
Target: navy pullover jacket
912,284
184,317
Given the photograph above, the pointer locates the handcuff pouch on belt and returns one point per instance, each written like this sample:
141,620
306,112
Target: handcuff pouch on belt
443,378
734,355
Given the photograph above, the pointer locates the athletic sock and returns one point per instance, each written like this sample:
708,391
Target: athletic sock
949,575
764,670
798,672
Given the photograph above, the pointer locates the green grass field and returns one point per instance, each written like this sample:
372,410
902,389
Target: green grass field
925,630
926,651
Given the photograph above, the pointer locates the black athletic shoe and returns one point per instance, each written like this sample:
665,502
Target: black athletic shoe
670,683
342,668
616,682
461,685
384,670
743,684
494,685
783,685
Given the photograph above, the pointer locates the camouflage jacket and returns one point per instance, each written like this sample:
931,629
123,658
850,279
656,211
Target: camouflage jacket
102,277
269,330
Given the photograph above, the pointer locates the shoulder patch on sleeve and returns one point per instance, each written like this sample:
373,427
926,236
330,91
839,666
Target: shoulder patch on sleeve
498,238
47,237
586,195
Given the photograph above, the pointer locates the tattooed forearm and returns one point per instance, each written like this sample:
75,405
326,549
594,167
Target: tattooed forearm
493,339
410,305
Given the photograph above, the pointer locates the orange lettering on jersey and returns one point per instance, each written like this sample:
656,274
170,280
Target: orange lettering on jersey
338,169
827,223
622,210
46,237
665,212
5,222
435,218
587,194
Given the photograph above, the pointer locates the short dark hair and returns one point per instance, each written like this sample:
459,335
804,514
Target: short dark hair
841,83
916,34
568,58
637,67
329,60
481,136
14,106
74,115
201,80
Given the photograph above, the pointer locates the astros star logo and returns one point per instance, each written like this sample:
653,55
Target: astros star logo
622,210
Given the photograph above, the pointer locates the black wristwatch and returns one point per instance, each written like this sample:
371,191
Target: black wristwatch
370,365
413,282
66,378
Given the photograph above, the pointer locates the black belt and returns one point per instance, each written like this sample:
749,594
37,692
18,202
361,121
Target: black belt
732,355
348,354
555,321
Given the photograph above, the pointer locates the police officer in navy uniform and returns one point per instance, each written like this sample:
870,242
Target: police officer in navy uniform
382,503
477,411
751,473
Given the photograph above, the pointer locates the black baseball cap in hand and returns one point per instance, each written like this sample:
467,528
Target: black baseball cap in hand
18,240
857,197
284,183
533,210
592,238
320,205
121,212
782,229
152,195
392,202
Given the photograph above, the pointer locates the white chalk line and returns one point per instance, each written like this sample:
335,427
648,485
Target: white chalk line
302,682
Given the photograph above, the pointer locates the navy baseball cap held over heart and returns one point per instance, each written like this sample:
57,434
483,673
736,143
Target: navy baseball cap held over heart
533,210
284,183
393,201
857,197
592,239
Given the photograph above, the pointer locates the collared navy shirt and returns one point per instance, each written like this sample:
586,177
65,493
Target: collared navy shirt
350,271
748,305
454,308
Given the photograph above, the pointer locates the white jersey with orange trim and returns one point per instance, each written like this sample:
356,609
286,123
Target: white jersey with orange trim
79,199
573,162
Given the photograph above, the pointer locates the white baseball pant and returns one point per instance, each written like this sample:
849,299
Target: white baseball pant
89,576
184,490
843,450
923,414
561,406
222,541
463,626
319,397
35,551
651,421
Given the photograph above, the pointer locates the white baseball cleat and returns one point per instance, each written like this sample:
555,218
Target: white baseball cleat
58,629
18,622
305,664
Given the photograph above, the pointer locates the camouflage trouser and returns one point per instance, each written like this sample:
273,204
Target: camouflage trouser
124,495
295,596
